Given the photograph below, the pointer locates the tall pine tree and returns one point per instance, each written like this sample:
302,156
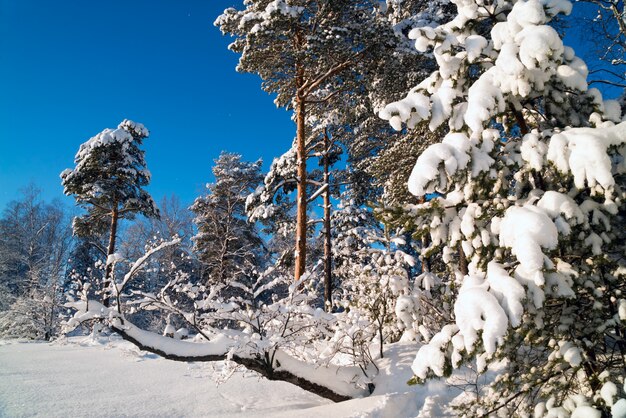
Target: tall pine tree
108,182
303,51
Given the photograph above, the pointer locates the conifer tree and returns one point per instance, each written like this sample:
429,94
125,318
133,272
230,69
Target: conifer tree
303,50
227,244
108,182
372,271
525,204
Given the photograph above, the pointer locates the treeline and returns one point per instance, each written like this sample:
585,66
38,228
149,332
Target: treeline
42,262
35,244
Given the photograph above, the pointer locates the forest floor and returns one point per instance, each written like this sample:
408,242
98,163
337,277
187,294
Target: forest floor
80,377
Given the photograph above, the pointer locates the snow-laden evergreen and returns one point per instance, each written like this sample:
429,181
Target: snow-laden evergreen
306,52
111,170
227,244
525,204
108,182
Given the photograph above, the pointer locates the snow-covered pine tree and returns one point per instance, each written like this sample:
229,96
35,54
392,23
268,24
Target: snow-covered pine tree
354,227
108,182
304,51
372,275
228,246
526,206
374,148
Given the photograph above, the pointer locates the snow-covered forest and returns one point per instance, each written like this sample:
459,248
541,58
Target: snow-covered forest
443,235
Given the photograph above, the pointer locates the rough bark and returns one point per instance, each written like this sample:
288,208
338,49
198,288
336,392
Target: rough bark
463,268
301,200
110,251
328,262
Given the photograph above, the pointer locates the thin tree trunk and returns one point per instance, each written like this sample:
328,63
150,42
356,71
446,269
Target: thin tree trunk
301,200
425,261
328,277
110,251
381,324
50,319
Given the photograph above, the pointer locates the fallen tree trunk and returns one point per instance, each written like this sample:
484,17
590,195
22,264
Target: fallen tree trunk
334,383
249,364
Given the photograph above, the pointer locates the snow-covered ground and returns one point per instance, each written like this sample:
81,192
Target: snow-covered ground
79,377
116,379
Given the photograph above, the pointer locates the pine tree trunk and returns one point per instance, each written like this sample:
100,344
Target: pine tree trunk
425,262
301,216
301,200
110,251
328,277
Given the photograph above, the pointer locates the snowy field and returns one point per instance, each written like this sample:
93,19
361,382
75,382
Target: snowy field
79,377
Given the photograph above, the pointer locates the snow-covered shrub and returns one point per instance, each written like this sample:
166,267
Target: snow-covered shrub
32,316
373,275
269,326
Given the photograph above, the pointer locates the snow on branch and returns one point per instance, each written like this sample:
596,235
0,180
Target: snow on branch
140,261
333,382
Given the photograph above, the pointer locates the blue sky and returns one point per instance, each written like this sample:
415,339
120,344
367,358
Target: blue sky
70,69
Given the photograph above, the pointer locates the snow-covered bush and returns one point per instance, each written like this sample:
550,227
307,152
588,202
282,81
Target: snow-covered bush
32,316
269,325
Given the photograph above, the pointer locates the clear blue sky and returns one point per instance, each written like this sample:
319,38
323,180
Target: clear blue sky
69,69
